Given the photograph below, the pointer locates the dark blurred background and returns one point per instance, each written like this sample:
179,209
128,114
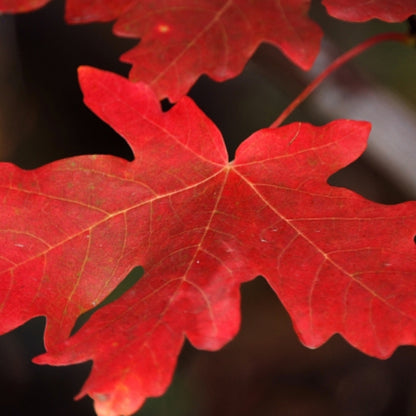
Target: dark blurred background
265,370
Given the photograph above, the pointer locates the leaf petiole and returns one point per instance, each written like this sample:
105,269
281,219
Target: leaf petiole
352,53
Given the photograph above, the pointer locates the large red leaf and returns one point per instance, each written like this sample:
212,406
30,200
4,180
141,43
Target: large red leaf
361,11
200,226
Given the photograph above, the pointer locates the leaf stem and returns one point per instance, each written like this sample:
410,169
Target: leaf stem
352,53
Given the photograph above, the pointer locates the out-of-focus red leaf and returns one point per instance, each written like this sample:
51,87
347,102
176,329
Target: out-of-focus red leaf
361,11
20,6
97,10
199,226
183,39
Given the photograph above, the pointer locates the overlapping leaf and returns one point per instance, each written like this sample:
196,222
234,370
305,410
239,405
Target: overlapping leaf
200,226
361,11
183,39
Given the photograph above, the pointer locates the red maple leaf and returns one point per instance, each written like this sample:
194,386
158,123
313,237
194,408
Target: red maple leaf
200,226
183,39
361,11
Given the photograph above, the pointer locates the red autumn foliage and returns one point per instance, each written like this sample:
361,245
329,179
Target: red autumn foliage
197,223
200,226
20,6
359,11
183,39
